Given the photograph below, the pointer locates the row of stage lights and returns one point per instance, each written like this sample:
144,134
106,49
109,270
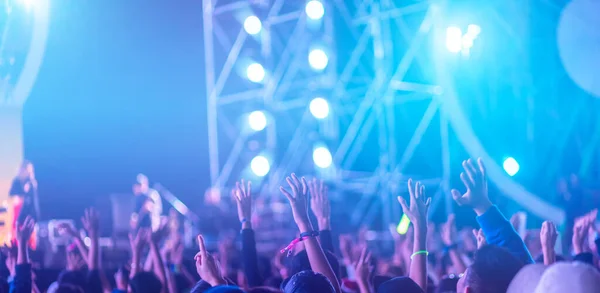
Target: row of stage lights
257,121
322,158
317,58
319,107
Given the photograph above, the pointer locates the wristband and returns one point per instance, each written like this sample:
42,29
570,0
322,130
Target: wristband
301,238
308,234
243,220
425,252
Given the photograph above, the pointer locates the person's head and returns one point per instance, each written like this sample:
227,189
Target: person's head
308,282
145,282
75,278
263,290
225,289
300,262
573,277
491,272
67,288
399,284
448,284
200,287
527,279
26,169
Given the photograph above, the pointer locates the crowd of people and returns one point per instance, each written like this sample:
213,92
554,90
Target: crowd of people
491,259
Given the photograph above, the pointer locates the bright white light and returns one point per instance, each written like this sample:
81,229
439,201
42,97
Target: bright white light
28,3
314,9
319,108
322,157
511,166
260,166
255,72
473,30
318,59
467,42
257,120
453,39
252,25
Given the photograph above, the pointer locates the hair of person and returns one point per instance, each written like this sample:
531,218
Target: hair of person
300,262
200,287
379,279
4,286
527,279
492,270
447,284
145,282
76,278
225,289
264,289
264,267
572,277
67,288
274,282
308,282
399,284
23,168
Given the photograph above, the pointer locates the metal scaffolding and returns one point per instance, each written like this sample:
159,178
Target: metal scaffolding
376,68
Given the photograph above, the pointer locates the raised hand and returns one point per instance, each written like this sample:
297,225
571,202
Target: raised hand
75,262
91,221
298,201
478,233
449,231
319,203
243,198
122,279
417,214
207,266
548,237
475,181
363,269
139,239
419,205
24,230
580,233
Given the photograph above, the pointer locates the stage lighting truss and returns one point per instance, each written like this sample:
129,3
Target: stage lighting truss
386,67
365,90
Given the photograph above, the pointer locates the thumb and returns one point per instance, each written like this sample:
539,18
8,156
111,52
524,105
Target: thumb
402,202
457,196
475,233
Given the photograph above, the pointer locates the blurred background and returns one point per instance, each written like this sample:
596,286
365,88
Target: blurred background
196,94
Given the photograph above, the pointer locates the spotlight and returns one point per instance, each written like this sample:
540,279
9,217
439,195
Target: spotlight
322,157
252,25
454,39
260,166
314,9
473,30
257,120
28,3
511,166
255,72
319,108
318,59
